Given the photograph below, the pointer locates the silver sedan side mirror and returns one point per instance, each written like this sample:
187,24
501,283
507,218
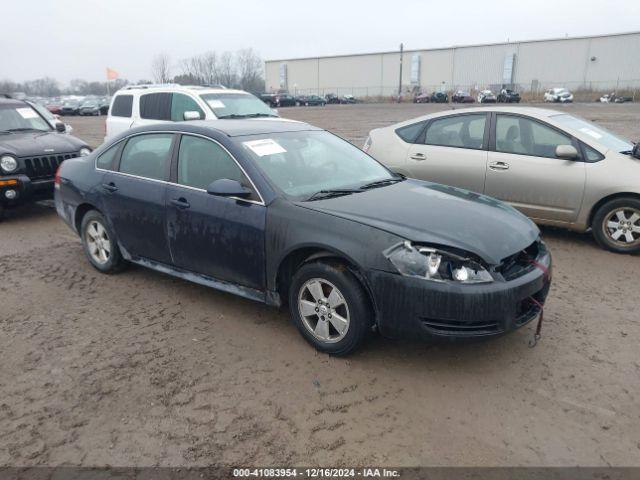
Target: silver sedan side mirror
567,152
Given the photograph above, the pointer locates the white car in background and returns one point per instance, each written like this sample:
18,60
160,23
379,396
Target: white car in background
140,105
558,95
555,168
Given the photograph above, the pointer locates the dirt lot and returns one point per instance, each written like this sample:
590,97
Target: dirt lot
143,369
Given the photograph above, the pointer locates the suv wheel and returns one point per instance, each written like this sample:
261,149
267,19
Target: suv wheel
616,225
330,308
99,243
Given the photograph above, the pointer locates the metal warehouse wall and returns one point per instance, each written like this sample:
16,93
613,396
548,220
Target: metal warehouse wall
598,62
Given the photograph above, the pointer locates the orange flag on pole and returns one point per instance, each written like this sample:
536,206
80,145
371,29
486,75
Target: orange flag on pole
112,74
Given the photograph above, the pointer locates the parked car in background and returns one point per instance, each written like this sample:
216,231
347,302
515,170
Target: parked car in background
70,107
556,168
507,95
462,97
613,98
486,96
422,98
286,213
284,100
30,152
332,98
90,107
104,103
269,99
150,104
54,106
439,97
558,95
348,98
310,100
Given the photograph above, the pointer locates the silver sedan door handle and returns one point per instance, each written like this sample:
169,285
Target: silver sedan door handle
499,166
418,156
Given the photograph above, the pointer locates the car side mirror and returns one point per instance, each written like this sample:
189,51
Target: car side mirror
226,187
567,152
191,115
61,127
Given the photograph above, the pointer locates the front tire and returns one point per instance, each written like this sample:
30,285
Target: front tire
616,225
99,243
330,308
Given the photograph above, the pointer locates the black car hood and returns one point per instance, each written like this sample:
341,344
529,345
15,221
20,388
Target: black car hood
30,144
437,214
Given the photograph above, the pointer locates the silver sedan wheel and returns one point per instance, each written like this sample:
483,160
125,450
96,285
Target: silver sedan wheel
98,242
622,226
324,310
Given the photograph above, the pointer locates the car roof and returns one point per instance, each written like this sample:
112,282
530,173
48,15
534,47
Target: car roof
196,89
230,128
530,111
11,102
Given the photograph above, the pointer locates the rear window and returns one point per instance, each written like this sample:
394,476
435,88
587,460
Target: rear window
156,106
122,106
410,133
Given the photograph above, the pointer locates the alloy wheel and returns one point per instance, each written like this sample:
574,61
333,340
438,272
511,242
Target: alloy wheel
324,310
622,226
98,242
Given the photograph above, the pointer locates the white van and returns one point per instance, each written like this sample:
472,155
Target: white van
139,105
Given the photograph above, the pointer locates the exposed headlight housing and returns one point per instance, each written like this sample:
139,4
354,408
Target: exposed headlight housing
436,265
84,151
8,163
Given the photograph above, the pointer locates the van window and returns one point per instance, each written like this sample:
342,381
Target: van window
156,106
122,106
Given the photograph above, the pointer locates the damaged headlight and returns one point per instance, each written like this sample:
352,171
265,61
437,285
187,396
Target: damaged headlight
433,264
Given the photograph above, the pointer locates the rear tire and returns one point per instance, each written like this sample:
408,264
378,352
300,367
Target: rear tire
616,225
100,244
330,308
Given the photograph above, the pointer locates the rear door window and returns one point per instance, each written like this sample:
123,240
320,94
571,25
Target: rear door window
122,106
461,131
147,155
180,104
410,133
156,106
106,160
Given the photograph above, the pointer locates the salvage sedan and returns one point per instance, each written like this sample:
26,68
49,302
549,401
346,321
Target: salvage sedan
284,212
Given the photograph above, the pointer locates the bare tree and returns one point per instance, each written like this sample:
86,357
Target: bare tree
160,68
226,70
249,70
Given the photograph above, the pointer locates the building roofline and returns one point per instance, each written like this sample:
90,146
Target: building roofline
452,47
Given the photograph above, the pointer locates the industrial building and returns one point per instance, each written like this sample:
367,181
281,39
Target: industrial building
598,63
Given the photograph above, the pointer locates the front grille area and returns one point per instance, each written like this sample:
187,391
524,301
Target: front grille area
520,263
460,329
45,166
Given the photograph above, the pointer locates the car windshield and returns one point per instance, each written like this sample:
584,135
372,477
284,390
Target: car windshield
90,104
599,134
17,118
301,164
236,105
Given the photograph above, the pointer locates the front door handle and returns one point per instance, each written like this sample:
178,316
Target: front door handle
418,156
110,187
181,203
499,166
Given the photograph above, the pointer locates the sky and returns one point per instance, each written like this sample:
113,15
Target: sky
67,39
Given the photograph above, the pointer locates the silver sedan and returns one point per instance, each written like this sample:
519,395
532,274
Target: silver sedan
556,168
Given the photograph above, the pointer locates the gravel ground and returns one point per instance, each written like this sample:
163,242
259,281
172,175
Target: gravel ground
143,369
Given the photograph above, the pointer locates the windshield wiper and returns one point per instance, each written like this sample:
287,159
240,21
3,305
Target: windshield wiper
335,192
383,183
25,129
247,115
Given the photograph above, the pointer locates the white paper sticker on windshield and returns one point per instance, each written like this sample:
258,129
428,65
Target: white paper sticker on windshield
27,113
263,147
216,104
590,132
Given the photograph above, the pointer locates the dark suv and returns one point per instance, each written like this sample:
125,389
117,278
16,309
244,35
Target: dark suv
30,152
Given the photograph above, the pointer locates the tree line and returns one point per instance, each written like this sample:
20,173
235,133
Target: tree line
242,69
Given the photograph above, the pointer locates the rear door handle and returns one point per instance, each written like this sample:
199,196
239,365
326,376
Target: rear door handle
418,156
499,166
181,203
110,187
